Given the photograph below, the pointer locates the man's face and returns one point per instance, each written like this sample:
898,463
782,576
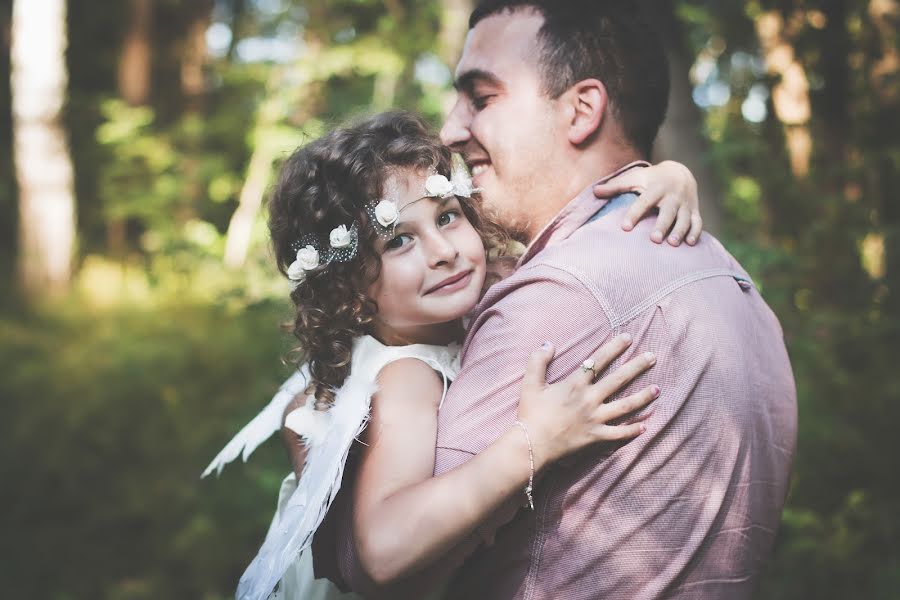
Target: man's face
503,124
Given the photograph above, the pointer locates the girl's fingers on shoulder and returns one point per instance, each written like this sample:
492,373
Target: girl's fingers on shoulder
611,433
604,356
667,213
682,224
641,206
696,228
536,369
625,406
625,374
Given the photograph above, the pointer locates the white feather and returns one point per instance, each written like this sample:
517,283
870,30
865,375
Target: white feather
330,436
261,428
316,490
308,423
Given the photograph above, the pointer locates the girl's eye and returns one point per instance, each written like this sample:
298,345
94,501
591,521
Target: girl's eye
397,242
448,217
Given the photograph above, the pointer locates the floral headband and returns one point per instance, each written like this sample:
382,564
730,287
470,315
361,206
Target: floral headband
343,241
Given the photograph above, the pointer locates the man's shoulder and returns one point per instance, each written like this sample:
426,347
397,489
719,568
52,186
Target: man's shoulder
539,285
617,270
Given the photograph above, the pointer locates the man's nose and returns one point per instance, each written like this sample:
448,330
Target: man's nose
455,132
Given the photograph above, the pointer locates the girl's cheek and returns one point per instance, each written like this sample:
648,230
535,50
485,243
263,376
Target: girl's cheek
406,271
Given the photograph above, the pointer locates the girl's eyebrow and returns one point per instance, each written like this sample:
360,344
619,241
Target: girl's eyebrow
439,202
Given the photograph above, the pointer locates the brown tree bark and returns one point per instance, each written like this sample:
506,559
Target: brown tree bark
195,54
40,149
790,95
135,59
834,101
134,81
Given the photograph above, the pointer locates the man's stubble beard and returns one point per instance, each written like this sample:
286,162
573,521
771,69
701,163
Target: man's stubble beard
516,224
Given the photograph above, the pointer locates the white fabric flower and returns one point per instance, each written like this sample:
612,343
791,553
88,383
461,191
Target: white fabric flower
438,186
340,237
386,213
307,259
462,183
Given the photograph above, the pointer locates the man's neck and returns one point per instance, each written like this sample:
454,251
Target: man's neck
584,167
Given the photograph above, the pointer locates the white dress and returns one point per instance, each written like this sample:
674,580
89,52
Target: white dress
329,435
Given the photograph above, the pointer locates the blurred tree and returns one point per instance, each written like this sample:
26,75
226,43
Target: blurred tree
134,80
43,165
8,200
194,55
681,136
454,28
135,59
790,94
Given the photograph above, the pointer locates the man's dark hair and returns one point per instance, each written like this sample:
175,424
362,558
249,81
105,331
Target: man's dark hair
609,40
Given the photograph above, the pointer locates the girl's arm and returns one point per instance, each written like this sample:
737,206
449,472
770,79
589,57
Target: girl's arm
669,186
295,445
405,519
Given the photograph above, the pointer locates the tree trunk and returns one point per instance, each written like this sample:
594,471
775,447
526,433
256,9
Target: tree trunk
41,154
238,14
834,101
195,55
790,95
681,136
240,228
134,75
883,70
134,62
270,112
454,27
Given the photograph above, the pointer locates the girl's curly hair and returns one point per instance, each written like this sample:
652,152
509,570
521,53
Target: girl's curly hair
328,183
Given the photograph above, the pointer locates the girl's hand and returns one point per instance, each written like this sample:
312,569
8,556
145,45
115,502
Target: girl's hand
669,186
572,413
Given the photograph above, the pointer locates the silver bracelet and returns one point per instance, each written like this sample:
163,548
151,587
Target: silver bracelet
530,487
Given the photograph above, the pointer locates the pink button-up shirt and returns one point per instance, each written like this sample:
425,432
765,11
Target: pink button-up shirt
690,508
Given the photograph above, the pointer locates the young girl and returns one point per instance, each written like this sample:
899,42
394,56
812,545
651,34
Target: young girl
386,251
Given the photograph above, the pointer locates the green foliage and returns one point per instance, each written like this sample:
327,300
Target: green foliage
117,413
814,244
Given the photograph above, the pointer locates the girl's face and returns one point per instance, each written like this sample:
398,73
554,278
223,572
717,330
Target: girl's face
432,270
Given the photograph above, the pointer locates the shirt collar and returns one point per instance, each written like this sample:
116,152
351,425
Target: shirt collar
573,215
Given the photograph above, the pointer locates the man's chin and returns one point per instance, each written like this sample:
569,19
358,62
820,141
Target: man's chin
506,216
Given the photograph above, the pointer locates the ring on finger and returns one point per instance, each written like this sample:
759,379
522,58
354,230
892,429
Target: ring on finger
589,365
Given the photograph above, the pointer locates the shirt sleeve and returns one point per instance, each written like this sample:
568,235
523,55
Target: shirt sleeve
544,304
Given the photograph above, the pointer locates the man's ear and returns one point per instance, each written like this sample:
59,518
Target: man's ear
589,102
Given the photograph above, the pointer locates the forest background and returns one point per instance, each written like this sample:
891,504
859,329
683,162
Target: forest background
140,311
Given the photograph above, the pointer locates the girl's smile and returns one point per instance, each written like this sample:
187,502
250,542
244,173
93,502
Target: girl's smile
432,270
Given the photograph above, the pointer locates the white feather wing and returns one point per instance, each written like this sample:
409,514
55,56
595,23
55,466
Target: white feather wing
261,428
316,490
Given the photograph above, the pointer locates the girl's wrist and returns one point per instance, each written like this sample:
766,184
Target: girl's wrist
529,487
539,443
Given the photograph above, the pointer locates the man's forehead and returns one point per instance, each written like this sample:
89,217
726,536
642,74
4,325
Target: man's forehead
500,42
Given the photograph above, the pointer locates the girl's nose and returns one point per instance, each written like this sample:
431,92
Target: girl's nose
441,251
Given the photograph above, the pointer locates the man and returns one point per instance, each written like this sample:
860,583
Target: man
555,96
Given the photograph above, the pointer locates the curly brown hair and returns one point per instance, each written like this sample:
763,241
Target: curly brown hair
328,183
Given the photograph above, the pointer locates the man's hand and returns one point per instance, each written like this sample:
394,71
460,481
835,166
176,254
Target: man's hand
669,186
